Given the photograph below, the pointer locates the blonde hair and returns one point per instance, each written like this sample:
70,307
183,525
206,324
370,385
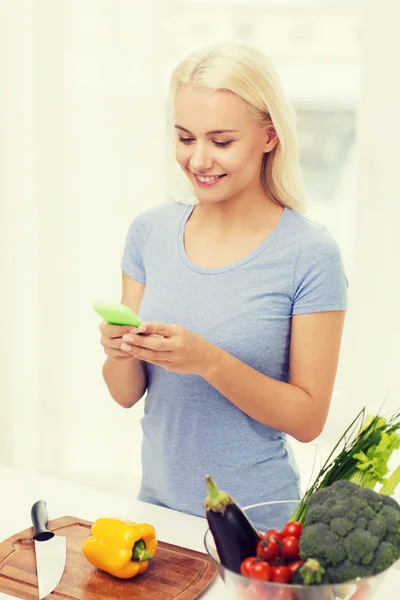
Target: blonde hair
248,74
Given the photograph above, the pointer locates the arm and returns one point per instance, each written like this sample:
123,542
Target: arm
300,407
126,378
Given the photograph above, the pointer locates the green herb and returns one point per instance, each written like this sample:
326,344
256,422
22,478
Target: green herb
363,458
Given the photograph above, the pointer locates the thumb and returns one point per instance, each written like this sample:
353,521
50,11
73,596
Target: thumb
156,328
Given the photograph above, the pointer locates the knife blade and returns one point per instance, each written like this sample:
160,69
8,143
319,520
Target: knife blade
50,550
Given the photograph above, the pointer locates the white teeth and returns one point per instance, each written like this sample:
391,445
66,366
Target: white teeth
207,179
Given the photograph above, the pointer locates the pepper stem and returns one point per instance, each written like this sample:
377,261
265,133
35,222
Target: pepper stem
217,500
139,552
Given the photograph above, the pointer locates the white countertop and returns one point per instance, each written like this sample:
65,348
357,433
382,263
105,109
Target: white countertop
20,489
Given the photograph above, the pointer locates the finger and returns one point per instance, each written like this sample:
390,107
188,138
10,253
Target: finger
158,328
136,330
114,343
152,342
114,331
117,353
150,356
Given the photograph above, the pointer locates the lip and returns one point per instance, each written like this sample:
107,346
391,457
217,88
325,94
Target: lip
208,183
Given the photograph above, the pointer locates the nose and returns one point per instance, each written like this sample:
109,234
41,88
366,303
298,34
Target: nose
200,159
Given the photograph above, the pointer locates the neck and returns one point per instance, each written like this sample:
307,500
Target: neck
248,211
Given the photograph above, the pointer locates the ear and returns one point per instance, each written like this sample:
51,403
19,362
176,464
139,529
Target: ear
272,139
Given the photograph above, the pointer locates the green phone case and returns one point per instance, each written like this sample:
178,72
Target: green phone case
116,314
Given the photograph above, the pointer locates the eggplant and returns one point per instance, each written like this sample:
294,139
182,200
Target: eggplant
234,535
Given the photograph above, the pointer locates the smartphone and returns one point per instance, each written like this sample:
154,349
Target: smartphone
116,314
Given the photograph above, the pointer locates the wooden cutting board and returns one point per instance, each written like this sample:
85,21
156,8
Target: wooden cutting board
174,574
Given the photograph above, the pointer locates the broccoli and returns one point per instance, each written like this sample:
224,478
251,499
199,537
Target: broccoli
310,573
351,531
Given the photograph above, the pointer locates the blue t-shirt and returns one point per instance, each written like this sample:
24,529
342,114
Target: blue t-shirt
189,428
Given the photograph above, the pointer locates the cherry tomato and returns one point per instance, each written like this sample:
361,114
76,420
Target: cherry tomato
293,566
274,532
291,547
284,594
256,591
260,570
246,564
269,547
293,528
245,592
255,568
281,574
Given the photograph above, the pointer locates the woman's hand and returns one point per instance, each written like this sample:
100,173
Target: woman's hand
111,340
172,347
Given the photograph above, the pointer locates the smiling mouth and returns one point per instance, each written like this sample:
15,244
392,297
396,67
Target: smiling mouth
208,178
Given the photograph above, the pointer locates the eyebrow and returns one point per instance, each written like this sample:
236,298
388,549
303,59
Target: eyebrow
213,132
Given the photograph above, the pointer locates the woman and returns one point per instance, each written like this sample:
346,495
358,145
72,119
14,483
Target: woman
246,296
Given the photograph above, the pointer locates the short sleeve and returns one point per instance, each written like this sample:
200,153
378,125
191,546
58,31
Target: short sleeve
132,262
320,282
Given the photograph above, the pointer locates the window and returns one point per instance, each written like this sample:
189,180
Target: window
319,70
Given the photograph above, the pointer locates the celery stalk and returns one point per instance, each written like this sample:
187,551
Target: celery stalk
391,483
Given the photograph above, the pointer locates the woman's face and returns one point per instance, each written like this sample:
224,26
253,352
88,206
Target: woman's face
220,145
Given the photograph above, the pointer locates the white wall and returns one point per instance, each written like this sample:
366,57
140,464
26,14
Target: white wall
80,155
80,159
18,231
374,324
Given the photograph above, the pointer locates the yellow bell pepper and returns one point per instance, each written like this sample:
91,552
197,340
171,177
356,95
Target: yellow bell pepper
121,548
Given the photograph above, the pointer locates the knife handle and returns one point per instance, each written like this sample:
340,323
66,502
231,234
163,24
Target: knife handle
40,518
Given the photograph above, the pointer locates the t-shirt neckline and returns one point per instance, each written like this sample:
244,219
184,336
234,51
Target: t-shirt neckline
214,271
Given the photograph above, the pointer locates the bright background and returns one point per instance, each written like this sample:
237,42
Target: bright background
83,114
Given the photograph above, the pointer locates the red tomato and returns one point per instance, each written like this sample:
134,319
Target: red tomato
293,566
274,532
260,570
293,528
291,547
246,564
256,591
284,594
269,547
255,568
281,574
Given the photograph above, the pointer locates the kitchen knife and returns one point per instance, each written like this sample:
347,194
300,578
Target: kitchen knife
50,549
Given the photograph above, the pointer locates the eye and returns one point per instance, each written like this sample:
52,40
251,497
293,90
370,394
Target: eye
185,140
223,144
188,140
